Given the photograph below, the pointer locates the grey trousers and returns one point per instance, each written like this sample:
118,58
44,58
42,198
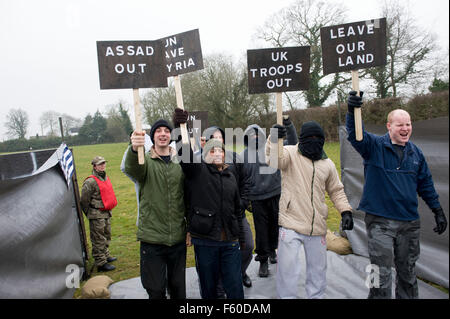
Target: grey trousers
288,267
393,243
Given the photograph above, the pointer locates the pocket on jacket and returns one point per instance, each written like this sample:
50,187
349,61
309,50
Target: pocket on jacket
202,221
234,226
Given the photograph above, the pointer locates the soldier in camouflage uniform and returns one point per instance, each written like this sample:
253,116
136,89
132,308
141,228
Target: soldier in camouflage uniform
99,218
395,172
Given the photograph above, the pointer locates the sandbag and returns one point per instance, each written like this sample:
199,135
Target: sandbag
340,245
97,288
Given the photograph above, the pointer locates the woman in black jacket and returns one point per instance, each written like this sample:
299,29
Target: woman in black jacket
214,217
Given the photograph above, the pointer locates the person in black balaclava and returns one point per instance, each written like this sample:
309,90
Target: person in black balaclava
307,174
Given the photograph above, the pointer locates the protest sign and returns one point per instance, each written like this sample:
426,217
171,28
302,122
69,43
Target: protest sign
183,54
354,46
278,70
131,64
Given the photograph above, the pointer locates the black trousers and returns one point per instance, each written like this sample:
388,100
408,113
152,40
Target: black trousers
163,266
265,218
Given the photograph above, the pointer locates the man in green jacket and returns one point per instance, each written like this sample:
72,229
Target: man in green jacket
162,223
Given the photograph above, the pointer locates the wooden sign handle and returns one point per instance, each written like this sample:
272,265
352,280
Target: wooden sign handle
357,112
179,96
137,118
279,101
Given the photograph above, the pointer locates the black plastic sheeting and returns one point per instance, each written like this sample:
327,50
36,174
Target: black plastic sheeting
40,242
431,136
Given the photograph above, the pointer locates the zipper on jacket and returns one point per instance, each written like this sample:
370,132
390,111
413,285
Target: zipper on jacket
312,199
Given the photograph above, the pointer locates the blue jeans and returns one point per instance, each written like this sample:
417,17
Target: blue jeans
217,259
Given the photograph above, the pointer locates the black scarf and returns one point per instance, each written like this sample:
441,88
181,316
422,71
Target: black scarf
312,148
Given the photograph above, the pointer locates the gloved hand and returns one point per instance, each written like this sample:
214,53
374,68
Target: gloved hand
286,120
179,116
244,204
347,220
441,221
354,101
277,131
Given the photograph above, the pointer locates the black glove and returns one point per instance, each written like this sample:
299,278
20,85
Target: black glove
441,221
286,120
354,101
277,128
347,220
244,204
179,116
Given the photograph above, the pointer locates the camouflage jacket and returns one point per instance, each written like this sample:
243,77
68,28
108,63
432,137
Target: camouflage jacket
91,199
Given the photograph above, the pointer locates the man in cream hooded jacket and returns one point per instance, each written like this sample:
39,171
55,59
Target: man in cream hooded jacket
306,175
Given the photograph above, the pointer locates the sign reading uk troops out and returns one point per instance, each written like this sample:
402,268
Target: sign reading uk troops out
183,53
278,69
353,46
131,64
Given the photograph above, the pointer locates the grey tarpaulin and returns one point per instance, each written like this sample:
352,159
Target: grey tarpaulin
346,279
432,137
40,241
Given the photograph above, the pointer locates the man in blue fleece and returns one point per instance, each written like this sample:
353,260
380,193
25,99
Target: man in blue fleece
395,171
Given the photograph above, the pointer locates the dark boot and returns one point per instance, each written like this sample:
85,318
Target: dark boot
105,267
264,269
246,281
111,259
273,257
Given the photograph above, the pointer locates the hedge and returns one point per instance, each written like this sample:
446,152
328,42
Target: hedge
420,107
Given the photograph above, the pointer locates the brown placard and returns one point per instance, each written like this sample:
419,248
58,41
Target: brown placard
131,64
278,69
195,130
353,46
182,52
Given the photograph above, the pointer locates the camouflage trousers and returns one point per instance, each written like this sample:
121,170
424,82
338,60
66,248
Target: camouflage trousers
393,243
100,230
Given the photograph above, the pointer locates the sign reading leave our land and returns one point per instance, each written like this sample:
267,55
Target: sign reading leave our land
353,46
278,69
131,64
183,53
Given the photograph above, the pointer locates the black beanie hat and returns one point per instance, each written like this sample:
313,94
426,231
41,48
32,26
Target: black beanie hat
311,128
157,124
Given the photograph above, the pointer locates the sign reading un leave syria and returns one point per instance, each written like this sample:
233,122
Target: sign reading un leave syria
183,53
353,46
131,64
278,69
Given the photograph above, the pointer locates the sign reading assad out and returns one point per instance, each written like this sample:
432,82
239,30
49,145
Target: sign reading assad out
131,64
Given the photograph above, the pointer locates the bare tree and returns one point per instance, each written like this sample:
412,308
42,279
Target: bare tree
220,88
408,50
49,120
16,123
69,122
299,25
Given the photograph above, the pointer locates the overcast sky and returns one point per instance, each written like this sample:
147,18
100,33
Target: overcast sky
48,56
